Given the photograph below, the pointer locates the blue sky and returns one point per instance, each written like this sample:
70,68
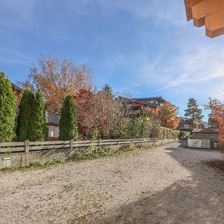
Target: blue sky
143,47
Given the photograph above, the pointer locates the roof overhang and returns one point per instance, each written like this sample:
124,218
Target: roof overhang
208,13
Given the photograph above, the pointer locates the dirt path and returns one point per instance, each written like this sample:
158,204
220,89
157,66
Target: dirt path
163,185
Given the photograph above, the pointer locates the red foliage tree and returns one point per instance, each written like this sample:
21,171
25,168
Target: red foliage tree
217,113
84,100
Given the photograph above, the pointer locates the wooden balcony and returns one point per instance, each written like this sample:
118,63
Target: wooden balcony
208,13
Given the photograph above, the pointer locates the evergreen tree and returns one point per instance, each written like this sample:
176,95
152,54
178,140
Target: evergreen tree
193,114
38,122
25,112
212,122
7,110
108,90
68,125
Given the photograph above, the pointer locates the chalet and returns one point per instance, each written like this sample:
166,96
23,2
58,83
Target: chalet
208,13
147,105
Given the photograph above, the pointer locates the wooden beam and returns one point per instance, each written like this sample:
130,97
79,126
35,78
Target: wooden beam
215,24
207,12
188,6
205,8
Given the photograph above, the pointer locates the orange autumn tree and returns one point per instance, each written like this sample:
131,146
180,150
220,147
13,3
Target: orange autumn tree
167,115
58,78
217,114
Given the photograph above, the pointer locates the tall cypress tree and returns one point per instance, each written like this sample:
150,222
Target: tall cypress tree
68,125
38,121
7,110
193,114
25,112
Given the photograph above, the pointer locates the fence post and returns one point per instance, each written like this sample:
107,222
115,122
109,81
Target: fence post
27,147
71,145
27,150
99,142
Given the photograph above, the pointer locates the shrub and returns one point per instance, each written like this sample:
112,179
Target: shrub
146,127
68,124
38,122
184,134
156,131
24,118
7,110
139,127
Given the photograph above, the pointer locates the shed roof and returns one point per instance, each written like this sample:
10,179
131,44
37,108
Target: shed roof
52,119
209,130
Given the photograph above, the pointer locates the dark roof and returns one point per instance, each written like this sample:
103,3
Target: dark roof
148,101
16,88
209,130
52,118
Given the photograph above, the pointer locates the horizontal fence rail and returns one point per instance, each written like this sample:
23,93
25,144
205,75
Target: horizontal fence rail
16,147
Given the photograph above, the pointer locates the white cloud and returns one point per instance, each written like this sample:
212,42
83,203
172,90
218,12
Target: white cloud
193,63
172,11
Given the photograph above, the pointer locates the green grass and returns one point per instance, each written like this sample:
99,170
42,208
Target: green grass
96,152
32,166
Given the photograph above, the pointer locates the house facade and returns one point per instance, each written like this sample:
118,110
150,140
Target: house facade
147,105
52,121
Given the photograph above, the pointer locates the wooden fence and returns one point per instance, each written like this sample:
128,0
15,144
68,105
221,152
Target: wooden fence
17,147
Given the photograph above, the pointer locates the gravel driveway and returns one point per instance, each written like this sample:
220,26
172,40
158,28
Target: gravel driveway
168,184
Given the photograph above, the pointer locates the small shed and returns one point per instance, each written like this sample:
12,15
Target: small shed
206,138
206,133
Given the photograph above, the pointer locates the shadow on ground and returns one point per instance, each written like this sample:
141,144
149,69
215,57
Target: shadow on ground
198,199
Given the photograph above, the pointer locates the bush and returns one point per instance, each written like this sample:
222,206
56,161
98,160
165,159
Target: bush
38,122
25,113
184,134
7,110
139,127
68,125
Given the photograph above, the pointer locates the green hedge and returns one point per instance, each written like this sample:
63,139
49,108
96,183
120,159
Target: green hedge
167,133
145,128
